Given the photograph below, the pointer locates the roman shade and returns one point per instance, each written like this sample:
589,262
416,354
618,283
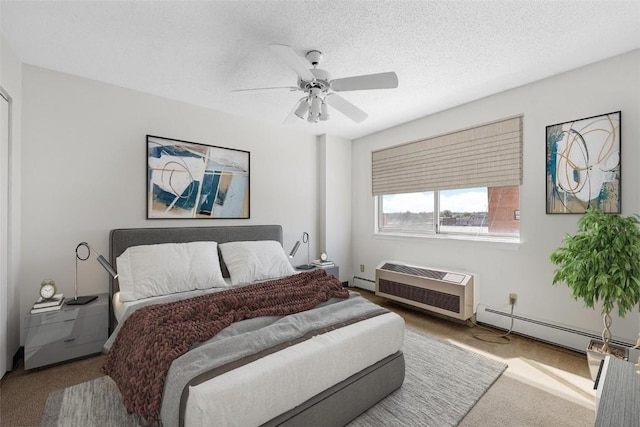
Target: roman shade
488,155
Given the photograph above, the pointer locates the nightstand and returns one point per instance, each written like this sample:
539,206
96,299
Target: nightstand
331,271
617,393
69,333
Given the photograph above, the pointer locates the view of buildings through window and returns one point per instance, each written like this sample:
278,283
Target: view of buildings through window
484,210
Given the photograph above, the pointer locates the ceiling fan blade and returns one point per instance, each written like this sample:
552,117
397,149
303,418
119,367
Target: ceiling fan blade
346,108
369,81
289,57
266,89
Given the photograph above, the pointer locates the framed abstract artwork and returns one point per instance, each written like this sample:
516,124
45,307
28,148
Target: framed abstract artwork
583,165
193,180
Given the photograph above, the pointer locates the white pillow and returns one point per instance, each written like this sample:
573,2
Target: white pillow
151,270
252,261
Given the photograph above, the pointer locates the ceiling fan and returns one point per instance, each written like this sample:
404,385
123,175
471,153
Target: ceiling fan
319,88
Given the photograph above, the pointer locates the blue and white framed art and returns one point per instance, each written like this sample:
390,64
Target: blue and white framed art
194,180
583,165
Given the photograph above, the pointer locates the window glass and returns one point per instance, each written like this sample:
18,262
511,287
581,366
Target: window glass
484,210
411,212
465,211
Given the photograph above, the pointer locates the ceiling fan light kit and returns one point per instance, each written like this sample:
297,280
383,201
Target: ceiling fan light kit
319,88
303,107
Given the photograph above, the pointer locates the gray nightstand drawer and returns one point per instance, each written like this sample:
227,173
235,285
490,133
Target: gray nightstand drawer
65,314
61,351
68,333
68,330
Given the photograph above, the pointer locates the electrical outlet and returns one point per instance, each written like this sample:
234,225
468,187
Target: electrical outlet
513,298
361,268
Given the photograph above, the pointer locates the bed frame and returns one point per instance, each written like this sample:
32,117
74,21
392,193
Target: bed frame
335,406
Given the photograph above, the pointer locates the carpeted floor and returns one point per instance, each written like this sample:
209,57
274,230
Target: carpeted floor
544,385
510,403
442,384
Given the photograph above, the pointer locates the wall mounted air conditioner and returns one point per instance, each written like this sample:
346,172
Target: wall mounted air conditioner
443,292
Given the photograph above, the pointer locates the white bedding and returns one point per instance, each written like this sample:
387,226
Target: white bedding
119,307
148,270
281,381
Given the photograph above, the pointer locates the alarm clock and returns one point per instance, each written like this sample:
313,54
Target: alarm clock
323,257
47,289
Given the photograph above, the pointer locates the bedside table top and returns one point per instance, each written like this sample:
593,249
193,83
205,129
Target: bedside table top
68,312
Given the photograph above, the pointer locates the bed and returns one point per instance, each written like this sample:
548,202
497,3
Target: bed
344,355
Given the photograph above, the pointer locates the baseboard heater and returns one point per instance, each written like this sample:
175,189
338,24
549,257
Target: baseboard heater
559,335
443,292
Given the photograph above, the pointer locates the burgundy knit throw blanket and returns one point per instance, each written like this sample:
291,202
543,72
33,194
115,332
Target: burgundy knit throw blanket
153,336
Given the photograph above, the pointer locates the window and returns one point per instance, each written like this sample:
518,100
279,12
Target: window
411,212
492,211
467,181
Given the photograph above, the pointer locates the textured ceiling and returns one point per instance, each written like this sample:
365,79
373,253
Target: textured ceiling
445,53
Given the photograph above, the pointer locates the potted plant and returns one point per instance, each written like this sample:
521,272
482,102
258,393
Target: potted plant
601,262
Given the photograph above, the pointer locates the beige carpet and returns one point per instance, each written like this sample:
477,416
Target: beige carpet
511,403
442,383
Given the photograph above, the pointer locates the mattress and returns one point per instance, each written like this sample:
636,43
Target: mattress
281,381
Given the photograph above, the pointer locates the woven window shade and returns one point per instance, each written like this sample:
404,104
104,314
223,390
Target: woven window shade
489,155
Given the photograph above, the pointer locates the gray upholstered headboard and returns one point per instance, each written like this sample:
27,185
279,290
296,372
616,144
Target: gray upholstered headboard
122,238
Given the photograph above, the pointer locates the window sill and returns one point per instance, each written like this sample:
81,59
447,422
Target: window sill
510,243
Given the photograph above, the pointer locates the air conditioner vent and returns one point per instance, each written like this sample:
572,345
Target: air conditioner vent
414,271
443,292
430,297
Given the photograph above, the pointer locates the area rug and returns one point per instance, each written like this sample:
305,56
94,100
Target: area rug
442,383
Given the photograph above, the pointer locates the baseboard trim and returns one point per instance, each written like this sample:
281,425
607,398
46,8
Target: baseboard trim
361,282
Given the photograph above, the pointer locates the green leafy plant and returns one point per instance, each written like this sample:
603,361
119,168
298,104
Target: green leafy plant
601,262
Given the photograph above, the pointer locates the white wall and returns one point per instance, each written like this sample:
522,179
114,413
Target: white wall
11,82
84,172
599,88
335,202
